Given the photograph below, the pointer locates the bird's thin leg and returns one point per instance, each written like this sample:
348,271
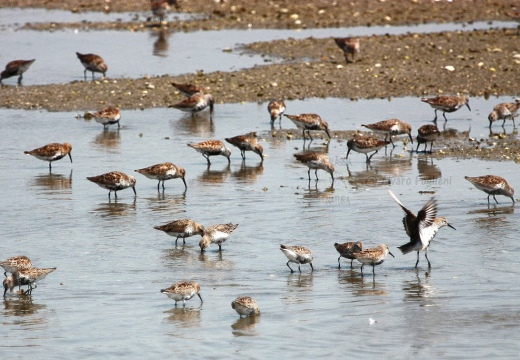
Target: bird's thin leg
444,114
299,268
362,269
303,132
417,263
289,267
495,199
372,155
163,184
339,264
243,153
503,123
391,142
177,238
435,116
417,150
373,269
431,147
312,267
316,173
368,160
183,241
85,73
351,260
220,247
426,256
309,173
207,158
488,198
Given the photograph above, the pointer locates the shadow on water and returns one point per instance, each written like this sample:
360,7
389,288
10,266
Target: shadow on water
248,173
427,169
169,199
245,326
362,285
369,177
201,124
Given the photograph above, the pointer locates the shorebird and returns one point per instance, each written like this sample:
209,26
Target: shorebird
247,143
316,160
365,144
492,185
390,128
421,229
195,103
161,7
15,263
162,172
51,152
109,116
425,134
447,104
212,148
347,249
308,122
25,277
182,229
114,181
246,306
504,111
373,256
93,63
16,67
276,108
216,234
349,46
189,89
183,291
298,255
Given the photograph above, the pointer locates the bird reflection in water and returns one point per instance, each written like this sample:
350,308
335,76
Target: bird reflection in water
202,125
23,306
369,286
312,192
245,326
248,173
115,208
503,134
160,46
366,178
184,317
215,176
167,201
108,139
427,169
52,181
419,290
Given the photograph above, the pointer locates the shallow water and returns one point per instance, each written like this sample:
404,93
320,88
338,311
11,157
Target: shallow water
156,53
104,298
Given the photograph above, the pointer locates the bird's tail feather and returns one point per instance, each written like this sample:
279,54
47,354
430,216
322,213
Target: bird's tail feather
407,248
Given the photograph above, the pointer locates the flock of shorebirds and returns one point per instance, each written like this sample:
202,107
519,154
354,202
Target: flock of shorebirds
420,228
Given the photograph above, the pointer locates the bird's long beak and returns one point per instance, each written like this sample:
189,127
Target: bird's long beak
184,181
468,107
133,188
70,157
391,254
451,226
411,139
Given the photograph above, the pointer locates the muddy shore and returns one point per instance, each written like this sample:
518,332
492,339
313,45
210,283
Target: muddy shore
477,63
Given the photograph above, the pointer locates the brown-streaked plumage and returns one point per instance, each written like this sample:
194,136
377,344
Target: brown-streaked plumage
195,103
447,104
421,229
16,67
308,122
349,45
365,144
189,89
26,277
162,172
427,133
245,143
276,108
93,63
216,234
298,255
492,185
504,111
212,148
51,152
183,291
316,160
390,128
15,263
245,305
346,250
114,181
108,116
373,256
182,229
161,7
